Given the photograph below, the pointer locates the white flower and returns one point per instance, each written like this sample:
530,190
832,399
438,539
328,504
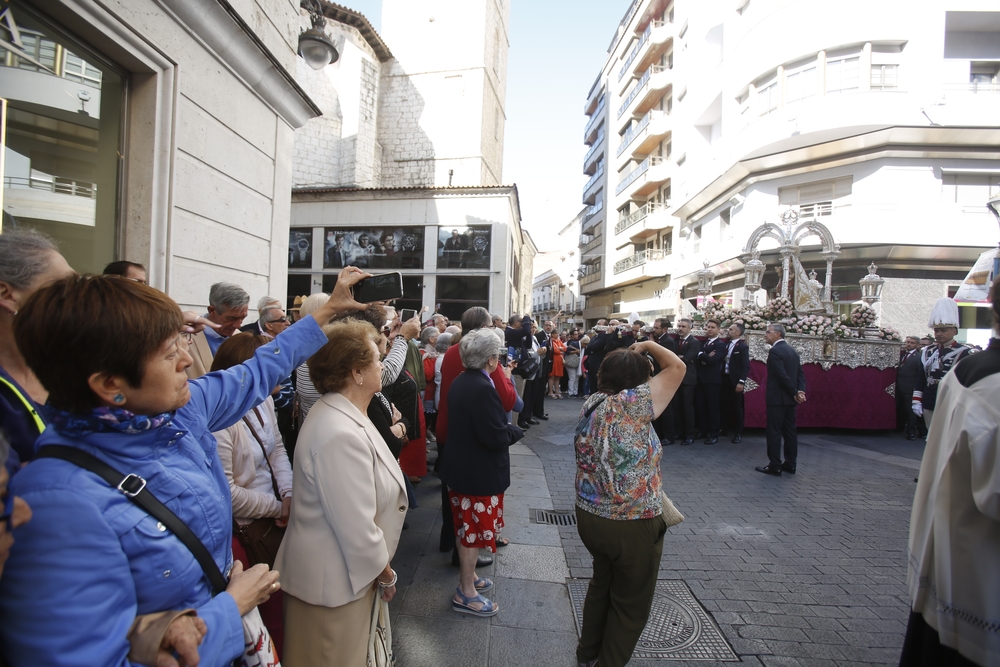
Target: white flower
479,507
466,503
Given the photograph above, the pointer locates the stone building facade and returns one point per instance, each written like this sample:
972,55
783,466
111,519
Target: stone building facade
413,115
175,121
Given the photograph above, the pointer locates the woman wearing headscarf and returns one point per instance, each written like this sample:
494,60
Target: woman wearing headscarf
113,355
347,510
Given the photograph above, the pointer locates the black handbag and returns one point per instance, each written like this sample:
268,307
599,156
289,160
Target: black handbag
526,368
261,537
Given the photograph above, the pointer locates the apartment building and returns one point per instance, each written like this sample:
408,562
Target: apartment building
403,171
556,286
711,119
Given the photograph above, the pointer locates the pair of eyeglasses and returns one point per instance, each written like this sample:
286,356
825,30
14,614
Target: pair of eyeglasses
187,336
283,320
8,511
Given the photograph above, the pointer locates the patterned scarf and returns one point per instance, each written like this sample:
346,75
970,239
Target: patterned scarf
103,419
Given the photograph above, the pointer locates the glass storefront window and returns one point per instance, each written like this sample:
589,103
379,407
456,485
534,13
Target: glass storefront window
464,247
63,129
456,294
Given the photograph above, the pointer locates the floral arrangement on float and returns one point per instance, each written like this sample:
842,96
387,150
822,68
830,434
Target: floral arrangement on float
863,316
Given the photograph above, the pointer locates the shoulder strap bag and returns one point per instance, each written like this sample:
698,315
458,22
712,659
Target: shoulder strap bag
258,648
261,537
380,635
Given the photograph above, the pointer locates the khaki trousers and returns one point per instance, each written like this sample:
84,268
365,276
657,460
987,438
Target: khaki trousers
327,636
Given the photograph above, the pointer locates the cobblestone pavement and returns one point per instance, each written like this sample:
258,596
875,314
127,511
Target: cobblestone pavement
806,569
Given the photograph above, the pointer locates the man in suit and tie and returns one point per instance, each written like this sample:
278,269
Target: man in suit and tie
907,375
664,424
735,371
786,388
688,348
710,360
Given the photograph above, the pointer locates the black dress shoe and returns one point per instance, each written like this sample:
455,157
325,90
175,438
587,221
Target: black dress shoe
788,467
910,436
534,421
544,417
738,439
712,440
769,470
688,441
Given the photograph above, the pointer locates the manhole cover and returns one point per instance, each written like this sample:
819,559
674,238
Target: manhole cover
553,517
678,627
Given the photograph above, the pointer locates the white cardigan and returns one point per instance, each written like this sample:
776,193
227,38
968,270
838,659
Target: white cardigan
954,563
348,507
246,470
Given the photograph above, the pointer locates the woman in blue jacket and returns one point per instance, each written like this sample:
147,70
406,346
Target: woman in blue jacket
112,354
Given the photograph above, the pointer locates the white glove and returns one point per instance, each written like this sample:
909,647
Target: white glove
918,408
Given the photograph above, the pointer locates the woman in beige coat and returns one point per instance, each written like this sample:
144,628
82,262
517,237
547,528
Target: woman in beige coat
347,510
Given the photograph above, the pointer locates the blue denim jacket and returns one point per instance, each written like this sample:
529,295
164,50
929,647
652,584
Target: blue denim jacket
90,560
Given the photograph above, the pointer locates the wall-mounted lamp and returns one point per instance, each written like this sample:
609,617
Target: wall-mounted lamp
315,46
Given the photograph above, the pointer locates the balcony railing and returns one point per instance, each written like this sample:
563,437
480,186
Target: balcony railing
635,50
593,149
595,119
595,242
594,179
640,85
639,215
638,259
591,212
651,161
633,132
981,88
62,186
592,276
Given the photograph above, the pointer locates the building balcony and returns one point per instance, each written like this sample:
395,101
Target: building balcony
593,97
595,183
644,180
651,217
590,131
591,277
592,217
647,91
588,245
645,135
661,33
644,264
591,159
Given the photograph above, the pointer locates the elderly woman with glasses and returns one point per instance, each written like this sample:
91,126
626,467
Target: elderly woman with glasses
347,510
91,559
477,467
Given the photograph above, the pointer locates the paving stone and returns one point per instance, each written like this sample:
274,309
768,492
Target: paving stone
535,605
518,646
427,642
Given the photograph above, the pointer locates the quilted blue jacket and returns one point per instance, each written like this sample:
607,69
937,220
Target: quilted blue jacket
90,560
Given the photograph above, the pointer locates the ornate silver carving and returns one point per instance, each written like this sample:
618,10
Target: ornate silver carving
758,348
750,386
826,365
891,390
804,346
883,356
851,355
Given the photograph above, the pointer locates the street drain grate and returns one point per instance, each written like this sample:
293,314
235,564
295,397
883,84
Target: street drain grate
678,627
553,517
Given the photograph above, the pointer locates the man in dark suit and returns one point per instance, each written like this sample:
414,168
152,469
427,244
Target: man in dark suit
545,358
907,375
786,388
710,361
688,348
664,424
735,371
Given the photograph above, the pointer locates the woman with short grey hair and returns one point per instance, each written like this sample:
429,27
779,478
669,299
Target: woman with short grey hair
441,346
477,468
478,348
28,261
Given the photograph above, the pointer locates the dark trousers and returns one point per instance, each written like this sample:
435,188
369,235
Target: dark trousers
538,396
910,421
664,424
922,647
781,424
626,562
709,415
686,396
731,405
528,397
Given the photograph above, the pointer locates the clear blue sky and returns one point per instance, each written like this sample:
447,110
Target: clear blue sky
557,48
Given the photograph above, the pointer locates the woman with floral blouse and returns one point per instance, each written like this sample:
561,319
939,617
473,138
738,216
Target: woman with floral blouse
619,500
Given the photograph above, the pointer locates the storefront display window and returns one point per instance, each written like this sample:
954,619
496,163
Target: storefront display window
63,138
464,247
456,294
